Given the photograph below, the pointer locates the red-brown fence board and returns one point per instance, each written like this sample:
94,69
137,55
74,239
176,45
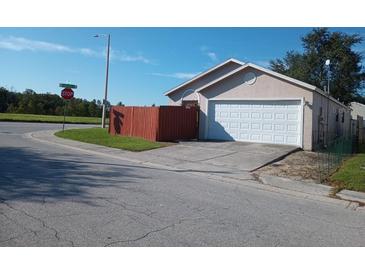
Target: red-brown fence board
177,122
165,123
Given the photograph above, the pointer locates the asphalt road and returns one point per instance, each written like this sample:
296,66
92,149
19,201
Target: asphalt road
53,196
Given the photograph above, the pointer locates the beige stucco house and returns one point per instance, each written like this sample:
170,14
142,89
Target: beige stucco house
357,110
245,102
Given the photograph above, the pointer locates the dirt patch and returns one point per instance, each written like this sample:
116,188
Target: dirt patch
300,165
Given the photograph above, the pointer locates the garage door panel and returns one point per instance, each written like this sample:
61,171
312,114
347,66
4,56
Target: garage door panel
255,137
234,114
255,126
255,115
223,114
279,139
245,115
292,127
292,140
275,122
267,126
293,116
244,126
244,136
267,138
267,116
233,125
279,116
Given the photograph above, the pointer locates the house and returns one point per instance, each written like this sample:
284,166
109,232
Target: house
245,102
357,110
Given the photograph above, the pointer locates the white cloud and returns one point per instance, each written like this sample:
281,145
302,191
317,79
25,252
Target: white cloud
212,55
177,75
124,57
20,44
89,52
23,44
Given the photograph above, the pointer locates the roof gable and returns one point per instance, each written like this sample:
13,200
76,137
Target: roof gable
201,75
267,71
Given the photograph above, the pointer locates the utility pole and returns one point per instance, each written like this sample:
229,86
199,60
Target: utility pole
106,79
328,62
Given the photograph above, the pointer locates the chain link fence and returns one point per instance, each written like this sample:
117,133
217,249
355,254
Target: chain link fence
334,148
331,156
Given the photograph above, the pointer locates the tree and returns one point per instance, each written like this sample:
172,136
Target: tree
3,99
49,104
347,75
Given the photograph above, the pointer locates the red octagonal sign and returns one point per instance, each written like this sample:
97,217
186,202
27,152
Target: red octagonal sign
67,93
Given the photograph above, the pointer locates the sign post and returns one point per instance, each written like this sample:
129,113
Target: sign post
67,94
64,115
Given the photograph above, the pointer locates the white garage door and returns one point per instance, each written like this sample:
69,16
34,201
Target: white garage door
276,122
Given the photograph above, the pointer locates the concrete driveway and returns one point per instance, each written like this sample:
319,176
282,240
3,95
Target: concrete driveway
232,155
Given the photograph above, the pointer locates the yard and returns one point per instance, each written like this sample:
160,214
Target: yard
14,117
304,166
100,136
351,175
300,165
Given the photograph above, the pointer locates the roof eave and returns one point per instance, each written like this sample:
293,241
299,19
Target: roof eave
203,74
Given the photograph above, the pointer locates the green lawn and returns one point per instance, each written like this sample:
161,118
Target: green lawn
101,136
48,118
351,174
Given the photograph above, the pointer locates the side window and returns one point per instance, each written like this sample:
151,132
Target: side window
343,117
337,115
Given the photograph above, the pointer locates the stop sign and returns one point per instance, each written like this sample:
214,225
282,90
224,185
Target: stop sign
67,93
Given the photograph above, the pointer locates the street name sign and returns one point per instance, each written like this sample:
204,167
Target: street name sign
63,85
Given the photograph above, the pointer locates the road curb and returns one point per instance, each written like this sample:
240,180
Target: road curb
294,185
279,185
352,196
75,147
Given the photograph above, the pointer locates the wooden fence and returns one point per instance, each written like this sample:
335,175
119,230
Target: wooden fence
164,123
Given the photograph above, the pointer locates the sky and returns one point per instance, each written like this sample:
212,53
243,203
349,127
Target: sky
145,62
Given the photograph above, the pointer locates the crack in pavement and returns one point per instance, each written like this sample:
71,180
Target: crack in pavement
44,225
150,232
127,206
124,206
14,237
139,238
19,224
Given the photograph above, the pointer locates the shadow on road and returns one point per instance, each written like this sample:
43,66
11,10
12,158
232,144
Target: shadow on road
28,175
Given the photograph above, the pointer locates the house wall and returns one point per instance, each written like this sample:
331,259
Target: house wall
335,125
357,110
175,97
